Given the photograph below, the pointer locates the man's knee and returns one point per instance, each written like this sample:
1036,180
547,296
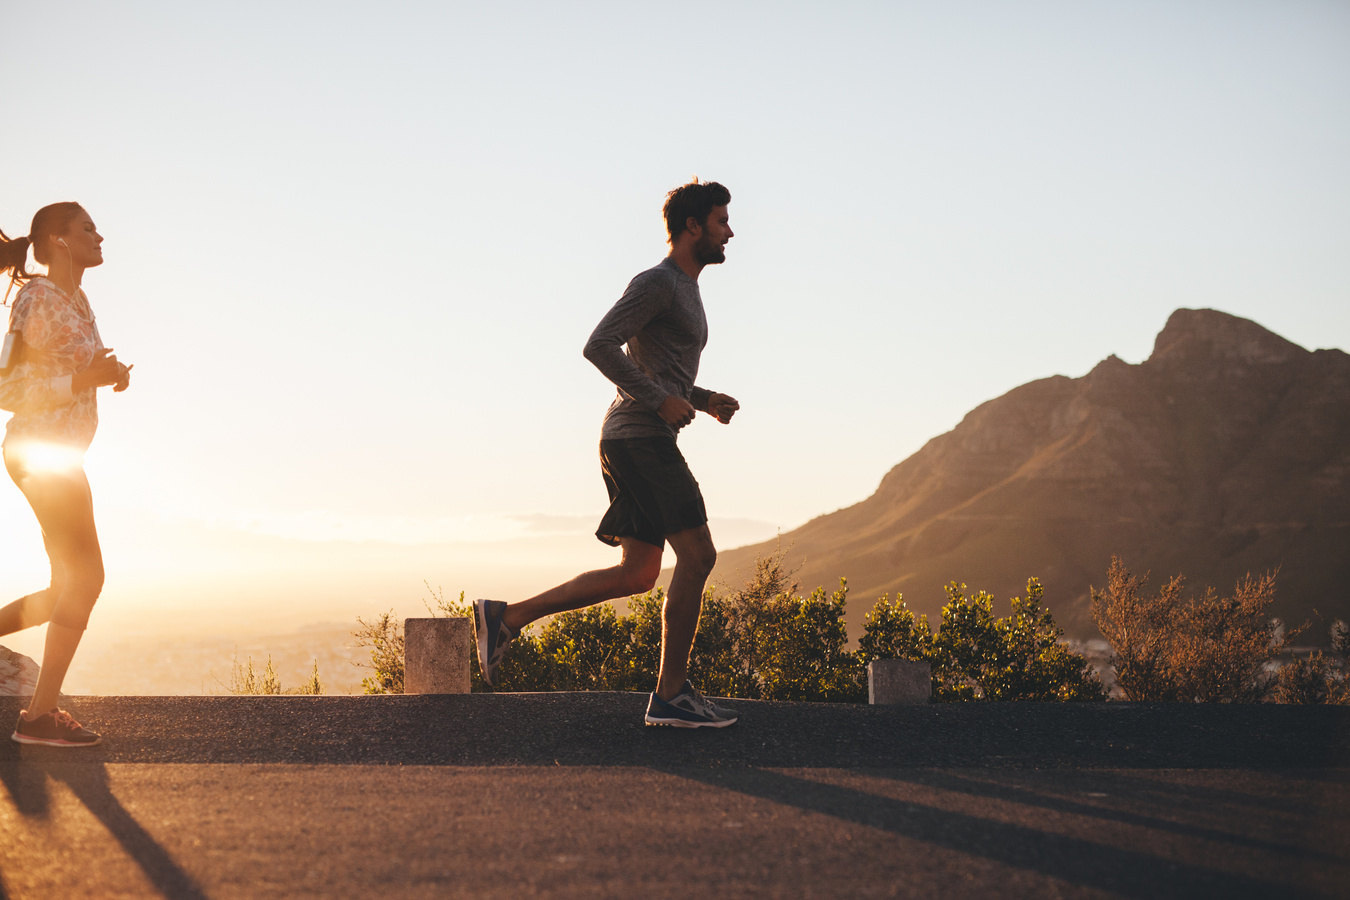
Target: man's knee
640,577
698,556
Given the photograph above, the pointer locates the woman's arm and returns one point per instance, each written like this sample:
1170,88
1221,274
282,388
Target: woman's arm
54,334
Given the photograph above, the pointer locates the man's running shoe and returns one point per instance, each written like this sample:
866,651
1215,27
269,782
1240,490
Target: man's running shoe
54,729
493,636
689,709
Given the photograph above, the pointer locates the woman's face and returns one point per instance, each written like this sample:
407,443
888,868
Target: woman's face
82,242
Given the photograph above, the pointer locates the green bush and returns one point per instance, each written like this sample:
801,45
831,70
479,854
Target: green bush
589,649
806,656
766,641
890,631
978,656
384,637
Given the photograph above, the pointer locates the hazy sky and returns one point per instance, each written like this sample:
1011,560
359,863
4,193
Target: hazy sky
354,249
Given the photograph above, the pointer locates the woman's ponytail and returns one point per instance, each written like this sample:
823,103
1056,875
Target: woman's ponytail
13,261
14,257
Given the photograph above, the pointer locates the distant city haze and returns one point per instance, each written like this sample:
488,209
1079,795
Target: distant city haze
354,255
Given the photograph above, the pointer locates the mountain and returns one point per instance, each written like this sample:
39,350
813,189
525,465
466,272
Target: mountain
1227,451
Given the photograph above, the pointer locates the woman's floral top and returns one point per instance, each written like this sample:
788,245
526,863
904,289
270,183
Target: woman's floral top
59,339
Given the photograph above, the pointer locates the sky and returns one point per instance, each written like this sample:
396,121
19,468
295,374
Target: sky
354,251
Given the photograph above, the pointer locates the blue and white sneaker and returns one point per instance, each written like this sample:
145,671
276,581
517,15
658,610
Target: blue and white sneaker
689,709
493,636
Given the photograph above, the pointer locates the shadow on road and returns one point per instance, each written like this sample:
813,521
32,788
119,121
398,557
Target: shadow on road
1240,806
1081,862
29,786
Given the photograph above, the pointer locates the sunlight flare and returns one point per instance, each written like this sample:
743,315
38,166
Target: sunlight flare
47,456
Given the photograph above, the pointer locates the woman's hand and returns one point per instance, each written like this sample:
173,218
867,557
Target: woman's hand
103,370
125,380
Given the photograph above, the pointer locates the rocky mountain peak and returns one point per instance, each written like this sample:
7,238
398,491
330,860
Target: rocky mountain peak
1200,334
1226,452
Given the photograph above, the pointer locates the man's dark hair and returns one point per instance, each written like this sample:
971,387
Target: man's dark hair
693,199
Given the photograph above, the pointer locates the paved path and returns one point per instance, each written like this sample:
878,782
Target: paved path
567,795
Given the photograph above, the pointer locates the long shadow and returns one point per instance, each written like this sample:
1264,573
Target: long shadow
1139,785
949,781
1077,861
29,795
89,783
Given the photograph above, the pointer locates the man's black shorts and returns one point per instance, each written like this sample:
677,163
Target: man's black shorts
652,493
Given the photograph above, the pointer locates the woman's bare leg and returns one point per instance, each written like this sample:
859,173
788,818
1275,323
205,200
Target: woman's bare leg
65,510
36,608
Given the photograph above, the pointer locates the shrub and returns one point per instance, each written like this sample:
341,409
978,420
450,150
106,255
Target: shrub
1310,680
524,668
805,655
589,650
312,685
978,656
1138,630
753,613
246,679
384,637
890,631
1317,679
766,641
1204,648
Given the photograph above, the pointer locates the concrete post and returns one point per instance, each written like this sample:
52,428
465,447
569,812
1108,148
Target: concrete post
436,655
892,681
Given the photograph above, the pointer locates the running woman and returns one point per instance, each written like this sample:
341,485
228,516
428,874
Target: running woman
57,364
654,498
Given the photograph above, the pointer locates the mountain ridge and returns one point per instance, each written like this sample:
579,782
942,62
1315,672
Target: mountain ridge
1226,451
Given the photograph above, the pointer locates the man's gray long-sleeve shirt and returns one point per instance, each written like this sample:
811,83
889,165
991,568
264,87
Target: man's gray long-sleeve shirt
660,317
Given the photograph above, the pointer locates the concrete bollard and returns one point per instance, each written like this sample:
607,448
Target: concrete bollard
436,655
892,681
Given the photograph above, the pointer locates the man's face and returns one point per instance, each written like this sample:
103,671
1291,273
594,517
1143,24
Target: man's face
710,248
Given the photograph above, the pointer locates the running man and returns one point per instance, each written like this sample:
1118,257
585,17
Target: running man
653,495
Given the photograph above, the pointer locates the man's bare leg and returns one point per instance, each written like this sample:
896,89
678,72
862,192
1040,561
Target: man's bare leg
636,573
694,559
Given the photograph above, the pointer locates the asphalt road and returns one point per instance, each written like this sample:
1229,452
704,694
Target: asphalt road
567,795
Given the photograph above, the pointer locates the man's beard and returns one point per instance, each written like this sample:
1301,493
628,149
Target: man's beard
708,253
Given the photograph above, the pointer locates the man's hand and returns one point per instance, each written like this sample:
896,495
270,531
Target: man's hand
125,380
676,411
722,407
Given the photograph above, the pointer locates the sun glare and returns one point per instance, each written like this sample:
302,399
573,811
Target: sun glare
43,456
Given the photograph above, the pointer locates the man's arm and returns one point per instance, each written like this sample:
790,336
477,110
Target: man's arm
643,301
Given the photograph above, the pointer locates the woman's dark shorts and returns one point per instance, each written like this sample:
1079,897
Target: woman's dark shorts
652,493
